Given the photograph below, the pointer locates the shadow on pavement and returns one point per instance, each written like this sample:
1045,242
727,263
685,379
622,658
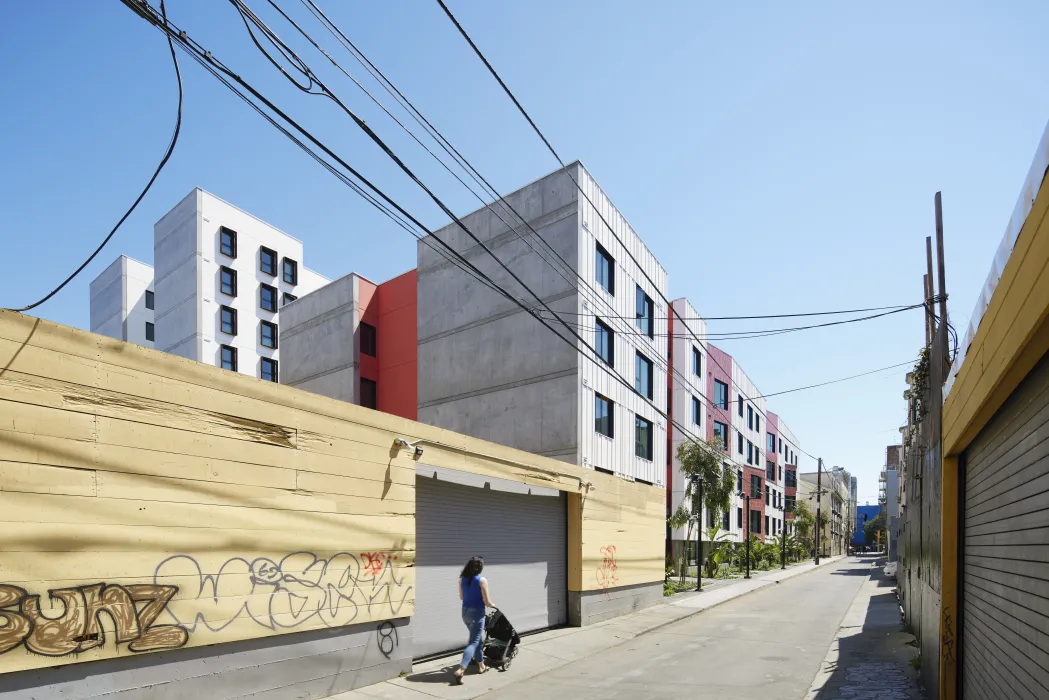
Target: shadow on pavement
877,657
444,675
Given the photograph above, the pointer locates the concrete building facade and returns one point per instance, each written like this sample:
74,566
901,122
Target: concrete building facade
489,369
122,302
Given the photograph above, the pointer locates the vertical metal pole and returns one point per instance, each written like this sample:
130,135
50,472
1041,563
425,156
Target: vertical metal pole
819,501
941,279
748,536
931,291
927,309
783,542
699,539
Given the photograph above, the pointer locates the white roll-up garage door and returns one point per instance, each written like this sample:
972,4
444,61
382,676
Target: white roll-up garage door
522,537
1005,560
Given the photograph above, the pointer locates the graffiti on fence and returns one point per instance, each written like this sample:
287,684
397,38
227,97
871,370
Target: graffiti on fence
133,610
386,634
301,588
607,575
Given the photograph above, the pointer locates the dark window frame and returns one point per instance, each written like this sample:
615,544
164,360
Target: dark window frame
640,423
294,271
270,255
602,328
645,312
755,530
263,287
223,271
772,437
721,394
368,339
222,319
151,300
287,298
697,412
739,518
223,349
151,331
739,442
723,434
264,325
273,365
755,486
641,362
697,362
739,401
608,419
603,256
365,382
231,250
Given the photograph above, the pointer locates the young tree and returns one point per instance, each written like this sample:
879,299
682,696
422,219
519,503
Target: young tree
701,466
872,527
804,521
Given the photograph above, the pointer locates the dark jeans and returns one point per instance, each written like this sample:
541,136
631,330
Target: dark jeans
473,618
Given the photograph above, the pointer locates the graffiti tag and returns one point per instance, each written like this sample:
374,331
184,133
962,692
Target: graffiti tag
947,641
607,575
387,637
375,561
133,610
300,588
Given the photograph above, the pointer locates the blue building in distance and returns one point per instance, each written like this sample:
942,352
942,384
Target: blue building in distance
863,514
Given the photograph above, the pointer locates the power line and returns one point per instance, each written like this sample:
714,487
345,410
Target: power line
160,166
835,381
900,307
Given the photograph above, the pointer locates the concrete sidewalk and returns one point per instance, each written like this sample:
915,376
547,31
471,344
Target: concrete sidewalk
543,652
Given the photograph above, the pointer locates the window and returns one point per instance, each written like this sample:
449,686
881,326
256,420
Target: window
268,334
772,443
288,298
291,271
150,300
603,415
268,261
792,479
697,411
767,525
645,321
770,471
643,375
752,457
605,343
606,270
721,430
788,503
739,402
369,393
755,486
227,242
269,370
725,523
755,522
721,395
757,423
781,473
739,440
228,320
768,498
710,518
228,281
229,358
697,362
267,297
149,331
368,339
643,438
750,417
739,518
739,482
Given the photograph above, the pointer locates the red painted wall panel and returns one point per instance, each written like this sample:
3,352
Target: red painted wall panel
397,345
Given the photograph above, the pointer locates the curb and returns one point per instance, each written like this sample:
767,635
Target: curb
690,615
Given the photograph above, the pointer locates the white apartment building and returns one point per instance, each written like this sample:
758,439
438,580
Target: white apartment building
220,277
491,370
122,302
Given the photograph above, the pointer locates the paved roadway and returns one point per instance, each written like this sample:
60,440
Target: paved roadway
764,646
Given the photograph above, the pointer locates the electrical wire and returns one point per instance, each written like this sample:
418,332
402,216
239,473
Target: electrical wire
836,381
149,184
797,315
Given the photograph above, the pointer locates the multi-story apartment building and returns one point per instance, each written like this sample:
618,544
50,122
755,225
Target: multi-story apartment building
122,302
749,423
787,456
780,473
832,489
489,369
220,278
355,340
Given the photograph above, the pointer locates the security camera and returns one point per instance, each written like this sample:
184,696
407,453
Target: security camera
418,452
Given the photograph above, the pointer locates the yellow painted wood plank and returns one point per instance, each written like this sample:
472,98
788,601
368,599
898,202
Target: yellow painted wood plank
37,478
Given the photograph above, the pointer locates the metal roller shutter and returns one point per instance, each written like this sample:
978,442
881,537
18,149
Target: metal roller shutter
523,541
1005,560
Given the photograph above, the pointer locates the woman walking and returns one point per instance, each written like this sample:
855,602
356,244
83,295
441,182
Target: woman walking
473,591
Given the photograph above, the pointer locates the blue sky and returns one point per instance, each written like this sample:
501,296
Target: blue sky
777,157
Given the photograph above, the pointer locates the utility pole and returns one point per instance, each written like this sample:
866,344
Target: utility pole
941,276
928,311
699,536
783,542
930,290
819,499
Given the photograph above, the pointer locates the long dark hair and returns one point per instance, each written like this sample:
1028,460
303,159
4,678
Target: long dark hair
472,568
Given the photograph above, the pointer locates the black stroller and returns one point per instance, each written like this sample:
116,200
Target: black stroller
500,640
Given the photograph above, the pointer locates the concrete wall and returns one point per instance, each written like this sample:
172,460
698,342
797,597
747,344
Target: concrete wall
319,340
258,528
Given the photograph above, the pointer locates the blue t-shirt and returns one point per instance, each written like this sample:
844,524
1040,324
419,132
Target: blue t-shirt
472,597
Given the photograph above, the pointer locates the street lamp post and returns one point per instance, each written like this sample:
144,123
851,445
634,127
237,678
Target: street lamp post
783,542
819,501
747,499
699,535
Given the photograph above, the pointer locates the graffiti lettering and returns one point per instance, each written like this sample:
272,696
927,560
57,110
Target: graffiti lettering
300,588
387,637
947,641
78,627
375,561
607,575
